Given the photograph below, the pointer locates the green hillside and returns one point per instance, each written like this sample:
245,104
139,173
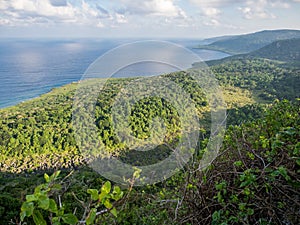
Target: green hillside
283,50
259,157
32,131
246,43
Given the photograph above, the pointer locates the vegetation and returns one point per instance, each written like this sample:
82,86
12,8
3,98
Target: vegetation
40,200
285,52
254,180
38,135
241,44
265,79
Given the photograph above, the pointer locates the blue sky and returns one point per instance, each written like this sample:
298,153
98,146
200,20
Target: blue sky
144,18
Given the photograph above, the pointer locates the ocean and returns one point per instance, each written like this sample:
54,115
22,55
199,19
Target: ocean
29,68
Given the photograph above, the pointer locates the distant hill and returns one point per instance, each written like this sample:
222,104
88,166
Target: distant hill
283,50
208,41
241,44
286,51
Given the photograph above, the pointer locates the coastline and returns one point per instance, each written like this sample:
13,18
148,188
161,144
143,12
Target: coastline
72,86
52,91
204,47
19,87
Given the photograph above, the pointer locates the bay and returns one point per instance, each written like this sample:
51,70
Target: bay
29,68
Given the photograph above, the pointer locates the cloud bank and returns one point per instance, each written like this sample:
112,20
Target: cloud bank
134,14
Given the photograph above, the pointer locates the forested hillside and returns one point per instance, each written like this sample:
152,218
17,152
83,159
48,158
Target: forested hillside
287,52
254,180
284,50
240,44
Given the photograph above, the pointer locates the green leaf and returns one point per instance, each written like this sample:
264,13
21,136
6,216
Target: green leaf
106,187
52,206
26,209
117,190
60,212
220,186
117,193
94,194
22,215
91,217
216,216
282,170
54,176
247,191
70,218
114,212
234,198
238,163
47,178
43,202
136,173
245,183
102,196
107,204
250,211
242,206
31,198
56,221
38,189
38,218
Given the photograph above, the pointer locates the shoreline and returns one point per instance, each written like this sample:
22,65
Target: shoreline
39,96
8,103
57,88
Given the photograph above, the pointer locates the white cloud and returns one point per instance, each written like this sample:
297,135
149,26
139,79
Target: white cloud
211,12
208,8
143,17
23,12
212,22
280,4
210,16
4,22
84,12
120,18
262,8
250,8
165,8
256,9
214,3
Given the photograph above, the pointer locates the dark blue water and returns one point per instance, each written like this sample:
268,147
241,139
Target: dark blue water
29,68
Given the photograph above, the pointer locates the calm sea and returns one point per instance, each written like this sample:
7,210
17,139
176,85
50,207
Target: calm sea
29,68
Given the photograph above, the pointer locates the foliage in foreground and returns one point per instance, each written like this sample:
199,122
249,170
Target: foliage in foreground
254,180
43,201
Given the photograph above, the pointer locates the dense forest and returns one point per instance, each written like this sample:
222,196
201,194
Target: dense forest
284,51
241,44
254,180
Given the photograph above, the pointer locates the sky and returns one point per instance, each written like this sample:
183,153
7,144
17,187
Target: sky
144,18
